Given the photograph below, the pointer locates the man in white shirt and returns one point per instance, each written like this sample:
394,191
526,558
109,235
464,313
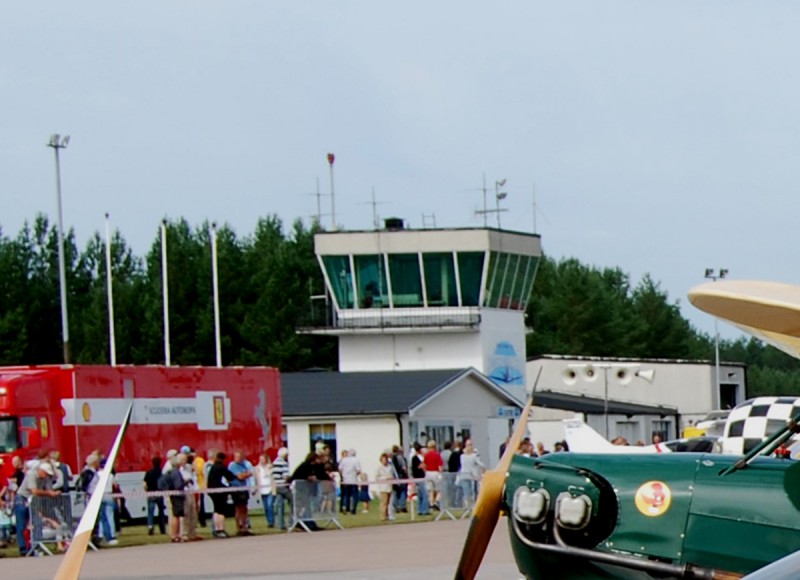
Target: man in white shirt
349,468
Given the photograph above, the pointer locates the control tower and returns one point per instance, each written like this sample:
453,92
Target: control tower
402,299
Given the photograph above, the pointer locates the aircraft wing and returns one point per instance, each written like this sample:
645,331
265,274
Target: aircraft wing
770,311
583,439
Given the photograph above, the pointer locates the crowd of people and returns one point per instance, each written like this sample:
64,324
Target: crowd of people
184,478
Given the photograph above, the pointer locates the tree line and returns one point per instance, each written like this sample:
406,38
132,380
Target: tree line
266,280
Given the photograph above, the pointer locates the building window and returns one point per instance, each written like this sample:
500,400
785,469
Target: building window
371,281
406,280
470,272
440,434
508,281
341,280
660,428
440,279
527,287
498,267
321,435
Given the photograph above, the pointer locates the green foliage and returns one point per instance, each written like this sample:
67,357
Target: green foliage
264,287
266,281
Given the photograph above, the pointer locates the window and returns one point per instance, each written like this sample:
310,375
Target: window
470,272
440,434
406,280
323,434
440,279
498,266
530,277
508,281
660,428
27,426
371,281
9,439
338,270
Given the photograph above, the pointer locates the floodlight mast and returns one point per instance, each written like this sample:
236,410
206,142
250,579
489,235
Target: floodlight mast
712,275
57,142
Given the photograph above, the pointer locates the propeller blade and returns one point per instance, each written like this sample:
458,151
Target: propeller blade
487,506
70,568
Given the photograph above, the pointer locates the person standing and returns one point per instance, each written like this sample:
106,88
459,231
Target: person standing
470,473
400,489
243,470
219,477
384,476
265,488
350,469
280,486
154,503
433,473
176,482
418,473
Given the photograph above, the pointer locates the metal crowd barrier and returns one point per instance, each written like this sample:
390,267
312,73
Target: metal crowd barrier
314,503
457,495
51,522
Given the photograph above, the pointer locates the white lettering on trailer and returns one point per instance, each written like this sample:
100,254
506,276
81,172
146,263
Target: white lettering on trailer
209,410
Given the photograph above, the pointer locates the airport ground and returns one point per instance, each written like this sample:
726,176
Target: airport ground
401,551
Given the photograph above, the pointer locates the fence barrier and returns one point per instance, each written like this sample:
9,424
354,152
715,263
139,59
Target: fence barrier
314,502
307,505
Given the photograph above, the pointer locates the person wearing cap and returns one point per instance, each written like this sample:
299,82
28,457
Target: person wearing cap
38,481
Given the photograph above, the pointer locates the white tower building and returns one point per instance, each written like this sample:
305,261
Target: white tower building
428,299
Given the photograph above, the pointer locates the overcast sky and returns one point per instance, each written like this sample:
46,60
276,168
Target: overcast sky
662,137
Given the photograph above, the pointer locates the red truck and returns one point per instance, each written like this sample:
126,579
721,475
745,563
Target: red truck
77,408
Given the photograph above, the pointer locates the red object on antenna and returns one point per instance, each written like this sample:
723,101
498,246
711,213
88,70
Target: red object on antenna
330,158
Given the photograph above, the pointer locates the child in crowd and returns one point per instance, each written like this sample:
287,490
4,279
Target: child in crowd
363,491
5,522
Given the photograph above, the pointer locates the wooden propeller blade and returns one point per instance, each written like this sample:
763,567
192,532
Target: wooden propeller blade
70,568
487,506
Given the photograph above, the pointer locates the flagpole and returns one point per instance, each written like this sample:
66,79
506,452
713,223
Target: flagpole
165,290
110,295
215,280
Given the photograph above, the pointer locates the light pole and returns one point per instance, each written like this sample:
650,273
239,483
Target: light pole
713,275
57,142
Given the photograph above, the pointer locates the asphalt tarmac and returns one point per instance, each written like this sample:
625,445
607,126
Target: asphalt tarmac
387,552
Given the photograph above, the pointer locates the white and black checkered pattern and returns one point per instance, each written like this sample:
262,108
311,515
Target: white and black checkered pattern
754,420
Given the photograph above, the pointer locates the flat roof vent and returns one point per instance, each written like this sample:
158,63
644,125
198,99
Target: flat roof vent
394,223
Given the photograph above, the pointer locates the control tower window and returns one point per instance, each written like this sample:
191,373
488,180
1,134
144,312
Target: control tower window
371,281
406,280
341,279
470,271
440,279
527,286
497,274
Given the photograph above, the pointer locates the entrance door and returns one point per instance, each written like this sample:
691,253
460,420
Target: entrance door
499,430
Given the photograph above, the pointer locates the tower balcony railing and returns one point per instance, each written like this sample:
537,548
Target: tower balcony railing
330,321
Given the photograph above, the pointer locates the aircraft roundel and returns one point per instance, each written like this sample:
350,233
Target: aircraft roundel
653,498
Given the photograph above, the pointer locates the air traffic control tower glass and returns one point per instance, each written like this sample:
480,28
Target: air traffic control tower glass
432,279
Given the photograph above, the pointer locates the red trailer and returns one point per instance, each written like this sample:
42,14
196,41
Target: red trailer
76,409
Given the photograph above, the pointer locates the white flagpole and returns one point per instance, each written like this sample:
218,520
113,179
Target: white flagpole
215,280
164,290
110,296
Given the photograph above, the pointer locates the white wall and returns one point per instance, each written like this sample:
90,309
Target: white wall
499,327
687,386
369,436
407,352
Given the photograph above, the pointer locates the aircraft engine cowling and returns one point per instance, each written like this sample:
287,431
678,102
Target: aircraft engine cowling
558,504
